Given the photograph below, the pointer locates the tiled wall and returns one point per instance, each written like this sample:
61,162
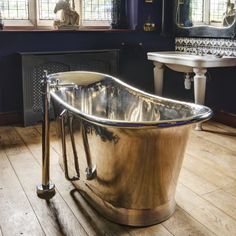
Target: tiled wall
222,47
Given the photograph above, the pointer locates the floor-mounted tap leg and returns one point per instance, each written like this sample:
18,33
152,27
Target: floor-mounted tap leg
46,190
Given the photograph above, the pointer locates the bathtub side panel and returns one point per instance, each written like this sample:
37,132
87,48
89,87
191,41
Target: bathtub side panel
135,168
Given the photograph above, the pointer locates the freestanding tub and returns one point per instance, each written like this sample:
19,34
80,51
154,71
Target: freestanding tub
122,148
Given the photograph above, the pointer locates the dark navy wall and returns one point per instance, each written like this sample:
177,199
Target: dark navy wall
134,67
220,88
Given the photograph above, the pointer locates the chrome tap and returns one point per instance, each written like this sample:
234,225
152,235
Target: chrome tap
57,85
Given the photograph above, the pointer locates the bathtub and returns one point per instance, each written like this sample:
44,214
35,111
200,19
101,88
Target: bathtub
121,147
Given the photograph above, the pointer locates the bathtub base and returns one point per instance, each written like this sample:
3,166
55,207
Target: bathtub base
124,216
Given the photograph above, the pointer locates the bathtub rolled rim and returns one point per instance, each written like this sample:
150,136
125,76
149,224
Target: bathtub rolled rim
201,117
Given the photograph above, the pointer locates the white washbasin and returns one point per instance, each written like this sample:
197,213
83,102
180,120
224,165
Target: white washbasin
185,62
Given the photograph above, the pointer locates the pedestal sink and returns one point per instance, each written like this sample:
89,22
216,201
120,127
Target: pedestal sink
186,63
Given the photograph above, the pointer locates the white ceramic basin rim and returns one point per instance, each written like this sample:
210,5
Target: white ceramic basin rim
179,60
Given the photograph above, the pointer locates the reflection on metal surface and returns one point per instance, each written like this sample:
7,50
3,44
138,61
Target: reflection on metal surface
63,120
90,169
105,100
135,140
102,132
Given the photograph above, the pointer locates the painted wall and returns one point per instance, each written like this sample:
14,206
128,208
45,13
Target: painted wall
134,67
220,88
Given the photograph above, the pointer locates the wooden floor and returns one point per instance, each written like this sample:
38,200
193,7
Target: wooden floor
206,193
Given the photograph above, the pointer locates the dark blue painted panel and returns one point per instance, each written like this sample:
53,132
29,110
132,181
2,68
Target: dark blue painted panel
134,67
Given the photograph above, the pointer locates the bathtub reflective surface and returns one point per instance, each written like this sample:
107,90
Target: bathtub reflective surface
126,146
106,100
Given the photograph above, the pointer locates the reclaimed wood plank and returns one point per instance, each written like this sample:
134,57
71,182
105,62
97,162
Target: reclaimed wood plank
204,212
151,230
16,215
93,223
183,224
10,143
196,183
217,156
217,135
231,190
54,216
211,174
223,200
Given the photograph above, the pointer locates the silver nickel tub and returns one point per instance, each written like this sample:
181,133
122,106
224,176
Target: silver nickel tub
121,147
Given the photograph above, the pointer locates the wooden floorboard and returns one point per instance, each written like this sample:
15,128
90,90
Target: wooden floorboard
93,223
196,183
54,216
231,190
218,135
16,215
208,173
204,212
206,193
217,155
224,201
183,224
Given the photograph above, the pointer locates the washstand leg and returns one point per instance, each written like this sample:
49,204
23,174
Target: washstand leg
158,78
199,89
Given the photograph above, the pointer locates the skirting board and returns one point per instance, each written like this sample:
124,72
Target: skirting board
225,118
10,118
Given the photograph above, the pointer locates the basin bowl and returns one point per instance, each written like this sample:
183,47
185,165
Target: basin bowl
180,68
185,62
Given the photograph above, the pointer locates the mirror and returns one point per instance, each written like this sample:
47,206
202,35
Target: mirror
205,18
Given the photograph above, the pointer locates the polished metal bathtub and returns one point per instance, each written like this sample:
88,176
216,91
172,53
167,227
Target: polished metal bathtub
121,147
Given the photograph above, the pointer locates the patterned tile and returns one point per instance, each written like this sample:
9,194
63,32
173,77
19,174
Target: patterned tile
222,47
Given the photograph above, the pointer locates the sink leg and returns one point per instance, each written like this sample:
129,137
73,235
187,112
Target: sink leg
158,78
199,89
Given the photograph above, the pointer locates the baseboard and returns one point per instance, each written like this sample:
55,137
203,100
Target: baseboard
10,118
225,118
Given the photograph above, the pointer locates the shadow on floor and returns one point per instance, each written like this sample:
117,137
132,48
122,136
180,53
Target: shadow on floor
98,223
